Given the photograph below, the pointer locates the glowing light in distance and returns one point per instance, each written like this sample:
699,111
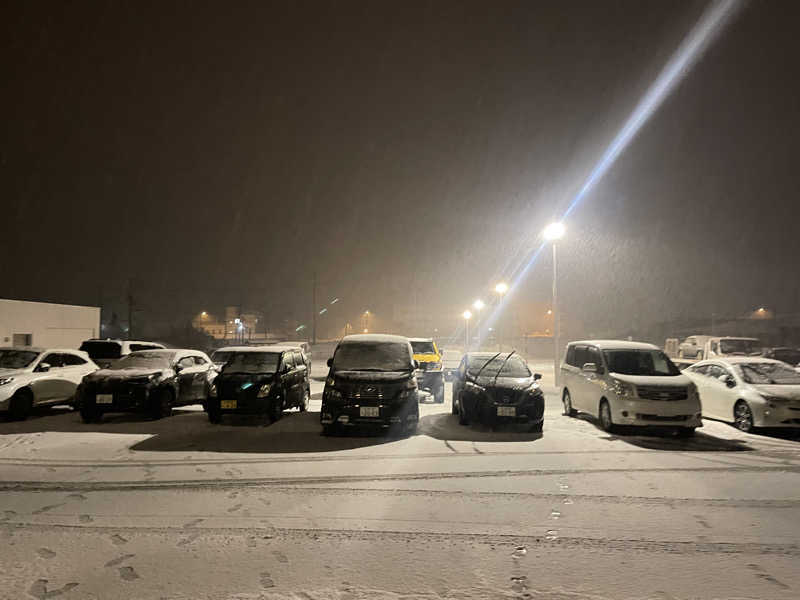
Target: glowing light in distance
554,231
467,315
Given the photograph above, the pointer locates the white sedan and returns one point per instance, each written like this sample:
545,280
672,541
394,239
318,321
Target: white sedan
40,377
748,391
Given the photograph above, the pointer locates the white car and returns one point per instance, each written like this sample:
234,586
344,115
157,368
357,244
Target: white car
40,377
748,391
221,355
717,347
628,383
107,352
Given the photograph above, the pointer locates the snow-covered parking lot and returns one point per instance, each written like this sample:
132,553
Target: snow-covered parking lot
180,508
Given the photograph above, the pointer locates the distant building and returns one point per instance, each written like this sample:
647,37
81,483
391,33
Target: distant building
24,323
237,326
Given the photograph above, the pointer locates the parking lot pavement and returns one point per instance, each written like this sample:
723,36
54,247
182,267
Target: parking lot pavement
137,508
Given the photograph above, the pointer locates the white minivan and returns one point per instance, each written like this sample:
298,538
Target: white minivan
628,383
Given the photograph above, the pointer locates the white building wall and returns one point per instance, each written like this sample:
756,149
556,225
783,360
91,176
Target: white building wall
52,325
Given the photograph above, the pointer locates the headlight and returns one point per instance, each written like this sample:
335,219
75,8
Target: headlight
212,391
472,387
264,390
5,380
535,389
333,394
624,389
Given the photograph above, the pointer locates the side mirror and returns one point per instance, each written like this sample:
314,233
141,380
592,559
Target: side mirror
589,368
537,376
178,368
43,367
330,362
727,380
416,364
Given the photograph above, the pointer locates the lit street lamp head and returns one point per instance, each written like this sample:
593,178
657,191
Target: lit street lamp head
467,315
501,288
553,232
478,304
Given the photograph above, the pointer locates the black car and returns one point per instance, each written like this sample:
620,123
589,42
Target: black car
791,356
260,380
149,381
497,388
371,382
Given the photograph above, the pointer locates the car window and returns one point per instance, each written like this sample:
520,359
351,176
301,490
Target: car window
299,360
186,362
581,356
55,360
595,357
199,360
288,360
136,347
570,360
99,349
699,369
715,371
73,359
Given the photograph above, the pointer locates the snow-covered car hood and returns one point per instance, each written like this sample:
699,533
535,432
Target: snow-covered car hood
781,391
13,372
104,374
653,379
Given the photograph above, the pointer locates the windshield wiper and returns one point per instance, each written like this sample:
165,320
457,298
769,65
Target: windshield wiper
500,370
484,366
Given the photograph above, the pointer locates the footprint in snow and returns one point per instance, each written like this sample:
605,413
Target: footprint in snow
280,556
266,580
39,511
235,508
128,573
39,589
118,540
85,519
119,560
45,553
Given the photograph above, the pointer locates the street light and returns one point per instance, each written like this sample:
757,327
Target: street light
553,233
467,316
501,288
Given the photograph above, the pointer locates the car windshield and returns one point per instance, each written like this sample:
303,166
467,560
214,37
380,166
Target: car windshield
16,359
102,349
640,362
423,348
145,360
372,356
788,356
514,367
769,374
220,357
252,362
736,346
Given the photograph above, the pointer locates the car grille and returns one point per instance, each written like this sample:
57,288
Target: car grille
507,396
662,392
644,417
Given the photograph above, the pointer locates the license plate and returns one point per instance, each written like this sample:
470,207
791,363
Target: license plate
227,404
506,411
104,399
370,411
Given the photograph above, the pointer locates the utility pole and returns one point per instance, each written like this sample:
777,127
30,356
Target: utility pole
314,309
130,309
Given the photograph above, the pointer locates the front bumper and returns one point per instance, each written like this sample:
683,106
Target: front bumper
526,412
655,413
382,414
774,414
241,405
125,398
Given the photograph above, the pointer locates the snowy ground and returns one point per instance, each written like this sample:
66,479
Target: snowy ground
178,508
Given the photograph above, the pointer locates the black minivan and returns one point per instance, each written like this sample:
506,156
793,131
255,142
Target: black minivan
262,380
371,382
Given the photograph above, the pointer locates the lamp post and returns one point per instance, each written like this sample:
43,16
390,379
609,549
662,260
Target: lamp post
467,316
478,305
553,233
500,289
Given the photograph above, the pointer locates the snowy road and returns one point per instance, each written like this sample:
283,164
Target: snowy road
179,508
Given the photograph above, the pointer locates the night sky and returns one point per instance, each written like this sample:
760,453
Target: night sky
211,153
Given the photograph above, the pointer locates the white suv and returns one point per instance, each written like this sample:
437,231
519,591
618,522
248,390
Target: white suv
628,383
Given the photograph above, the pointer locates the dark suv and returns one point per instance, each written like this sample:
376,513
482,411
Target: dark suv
261,380
496,388
371,382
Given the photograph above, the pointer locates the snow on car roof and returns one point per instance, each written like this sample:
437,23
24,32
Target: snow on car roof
617,345
374,337
420,339
742,359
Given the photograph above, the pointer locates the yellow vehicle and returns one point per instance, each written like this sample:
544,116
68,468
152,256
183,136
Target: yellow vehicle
430,376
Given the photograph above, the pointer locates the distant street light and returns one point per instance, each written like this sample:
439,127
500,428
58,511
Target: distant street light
553,233
501,288
467,316
204,314
478,304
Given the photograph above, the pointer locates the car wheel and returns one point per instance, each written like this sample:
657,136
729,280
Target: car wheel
685,432
89,412
276,410
567,400
328,430
743,416
304,402
162,404
20,405
537,427
605,416
463,417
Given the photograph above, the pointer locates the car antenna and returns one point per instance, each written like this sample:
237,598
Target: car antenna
501,367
